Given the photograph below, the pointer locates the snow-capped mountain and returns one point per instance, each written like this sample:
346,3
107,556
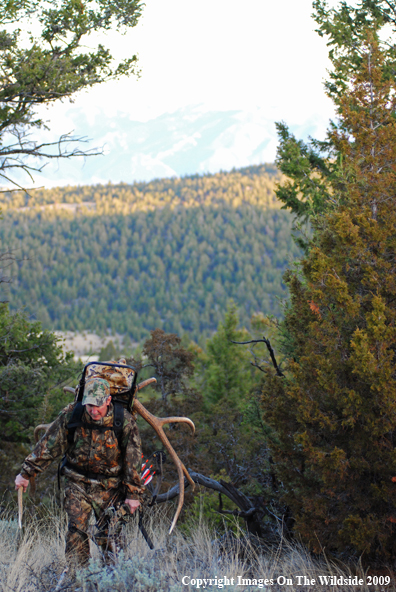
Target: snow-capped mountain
187,141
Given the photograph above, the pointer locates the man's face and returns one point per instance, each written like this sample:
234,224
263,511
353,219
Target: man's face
98,412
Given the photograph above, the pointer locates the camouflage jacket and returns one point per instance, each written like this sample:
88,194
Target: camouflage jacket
92,451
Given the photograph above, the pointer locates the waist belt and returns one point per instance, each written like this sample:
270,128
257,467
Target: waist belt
89,474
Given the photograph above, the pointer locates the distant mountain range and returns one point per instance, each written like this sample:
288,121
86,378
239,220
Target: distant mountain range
188,141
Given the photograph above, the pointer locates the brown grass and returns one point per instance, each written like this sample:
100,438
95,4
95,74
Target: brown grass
34,561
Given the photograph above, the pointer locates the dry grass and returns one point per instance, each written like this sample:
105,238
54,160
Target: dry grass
34,561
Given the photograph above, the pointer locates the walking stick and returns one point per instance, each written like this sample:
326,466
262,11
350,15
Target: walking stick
20,507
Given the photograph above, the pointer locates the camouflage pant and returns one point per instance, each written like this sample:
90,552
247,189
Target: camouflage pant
80,500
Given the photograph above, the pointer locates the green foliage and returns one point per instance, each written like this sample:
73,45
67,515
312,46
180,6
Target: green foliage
227,376
33,367
307,191
203,509
45,56
172,363
345,28
109,352
334,412
167,254
315,169
232,438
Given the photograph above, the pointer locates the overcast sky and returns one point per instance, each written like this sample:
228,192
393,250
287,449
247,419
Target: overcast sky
224,54
220,55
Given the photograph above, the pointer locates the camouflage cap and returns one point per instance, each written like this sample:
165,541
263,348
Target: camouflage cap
96,392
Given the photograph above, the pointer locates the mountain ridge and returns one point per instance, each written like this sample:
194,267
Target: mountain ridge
187,141
171,253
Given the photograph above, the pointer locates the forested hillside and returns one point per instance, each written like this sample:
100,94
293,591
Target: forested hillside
166,254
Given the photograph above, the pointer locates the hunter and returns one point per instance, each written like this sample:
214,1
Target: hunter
100,466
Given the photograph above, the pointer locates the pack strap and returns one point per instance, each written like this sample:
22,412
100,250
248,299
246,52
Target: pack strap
118,420
60,469
76,422
89,474
89,426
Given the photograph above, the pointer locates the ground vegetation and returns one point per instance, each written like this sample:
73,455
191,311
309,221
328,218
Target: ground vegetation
34,561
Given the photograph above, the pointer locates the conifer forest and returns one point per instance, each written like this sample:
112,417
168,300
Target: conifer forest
262,299
169,254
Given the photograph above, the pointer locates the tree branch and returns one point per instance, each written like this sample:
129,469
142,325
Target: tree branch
248,511
270,350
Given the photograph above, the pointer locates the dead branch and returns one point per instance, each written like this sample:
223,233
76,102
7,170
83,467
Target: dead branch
248,511
270,350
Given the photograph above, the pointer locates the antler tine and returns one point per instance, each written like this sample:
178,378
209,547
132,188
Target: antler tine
42,426
145,383
69,389
164,420
157,424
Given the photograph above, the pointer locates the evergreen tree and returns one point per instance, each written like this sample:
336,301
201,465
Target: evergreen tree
231,440
109,352
33,367
334,412
172,362
169,267
227,377
312,167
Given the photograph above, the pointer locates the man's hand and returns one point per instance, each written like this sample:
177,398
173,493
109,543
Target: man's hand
21,482
132,505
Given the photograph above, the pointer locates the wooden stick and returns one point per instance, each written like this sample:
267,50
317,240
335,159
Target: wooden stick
20,507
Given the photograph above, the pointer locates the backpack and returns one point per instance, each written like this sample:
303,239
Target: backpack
122,379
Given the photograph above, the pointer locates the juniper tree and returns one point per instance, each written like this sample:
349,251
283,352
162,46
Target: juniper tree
334,411
312,167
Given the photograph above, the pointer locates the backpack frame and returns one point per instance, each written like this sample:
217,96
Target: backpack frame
119,404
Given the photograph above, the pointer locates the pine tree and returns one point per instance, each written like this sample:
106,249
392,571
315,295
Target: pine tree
44,58
334,412
227,376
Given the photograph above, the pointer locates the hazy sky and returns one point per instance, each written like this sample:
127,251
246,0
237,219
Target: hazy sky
223,54
260,57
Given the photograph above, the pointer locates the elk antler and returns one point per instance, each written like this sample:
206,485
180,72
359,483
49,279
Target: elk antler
69,389
156,423
37,429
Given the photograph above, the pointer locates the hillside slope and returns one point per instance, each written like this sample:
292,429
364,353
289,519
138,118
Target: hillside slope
169,254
